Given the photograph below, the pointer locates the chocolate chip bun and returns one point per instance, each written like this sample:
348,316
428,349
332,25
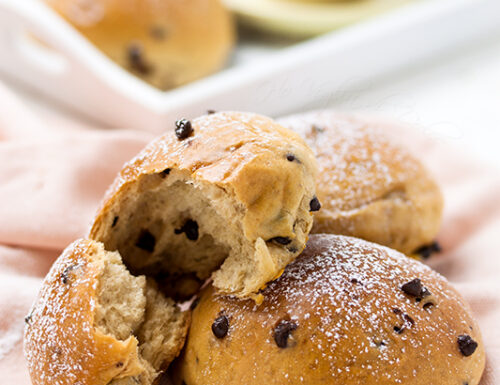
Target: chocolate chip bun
345,312
166,43
228,193
93,323
369,187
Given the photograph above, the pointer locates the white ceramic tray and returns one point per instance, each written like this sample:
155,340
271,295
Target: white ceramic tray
78,75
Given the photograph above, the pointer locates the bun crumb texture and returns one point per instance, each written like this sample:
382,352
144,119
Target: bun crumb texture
227,196
94,323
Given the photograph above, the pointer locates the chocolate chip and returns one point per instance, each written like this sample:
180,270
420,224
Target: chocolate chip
27,319
190,228
317,128
66,272
314,205
211,112
428,305
424,293
64,276
119,364
414,288
281,240
427,250
408,321
355,281
163,174
220,327
379,344
291,158
146,241
282,331
115,221
466,345
183,129
135,52
158,32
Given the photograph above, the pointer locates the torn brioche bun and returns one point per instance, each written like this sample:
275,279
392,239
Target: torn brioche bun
345,312
93,323
227,195
166,43
369,186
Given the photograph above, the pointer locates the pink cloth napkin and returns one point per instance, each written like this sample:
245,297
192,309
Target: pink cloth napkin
54,171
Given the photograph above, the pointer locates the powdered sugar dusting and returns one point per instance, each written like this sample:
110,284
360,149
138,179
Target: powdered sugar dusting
60,341
354,321
357,164
53,324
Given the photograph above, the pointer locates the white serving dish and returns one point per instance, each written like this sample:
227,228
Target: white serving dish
78,75
307,18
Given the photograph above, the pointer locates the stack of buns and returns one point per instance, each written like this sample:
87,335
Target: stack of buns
221,208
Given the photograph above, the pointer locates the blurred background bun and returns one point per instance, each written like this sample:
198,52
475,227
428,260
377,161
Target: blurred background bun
166,43
368,185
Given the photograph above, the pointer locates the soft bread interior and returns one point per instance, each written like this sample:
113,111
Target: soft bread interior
121,299
132,306
180,231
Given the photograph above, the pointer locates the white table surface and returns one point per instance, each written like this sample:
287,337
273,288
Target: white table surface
456,98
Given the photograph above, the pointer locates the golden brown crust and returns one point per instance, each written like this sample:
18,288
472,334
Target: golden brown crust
353,325
62,346
231,150
244,155
369,187
167,43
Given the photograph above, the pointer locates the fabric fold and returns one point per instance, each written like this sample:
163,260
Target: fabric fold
54,172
